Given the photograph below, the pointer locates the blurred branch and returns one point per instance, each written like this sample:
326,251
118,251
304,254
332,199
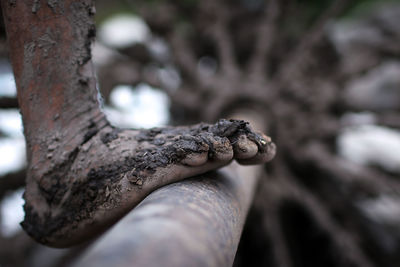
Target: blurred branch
342,239
16,249
358,177
200,219
389,119
265,37
184,56
314,34
300,56
270,209
3,46
219,32
12,181
8,102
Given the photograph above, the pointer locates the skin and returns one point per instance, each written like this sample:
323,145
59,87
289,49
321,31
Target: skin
100,188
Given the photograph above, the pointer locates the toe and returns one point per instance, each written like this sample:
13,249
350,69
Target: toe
195,159
264,154
222,150
244,148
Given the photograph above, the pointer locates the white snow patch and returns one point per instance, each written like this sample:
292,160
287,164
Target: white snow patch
103,54
12,148
11,123
12,213
7,84
12,155
122,97
143,107
379,88
347,33
170,77
370,144
384,209
159,48
123,30
360,118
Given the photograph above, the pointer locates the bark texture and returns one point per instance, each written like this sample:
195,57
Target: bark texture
196,222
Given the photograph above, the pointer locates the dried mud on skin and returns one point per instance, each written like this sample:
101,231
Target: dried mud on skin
162,147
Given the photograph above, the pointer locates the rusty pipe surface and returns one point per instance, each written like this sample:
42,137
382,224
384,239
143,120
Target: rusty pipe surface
195,222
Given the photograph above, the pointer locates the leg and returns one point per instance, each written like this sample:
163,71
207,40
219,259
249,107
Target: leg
83,175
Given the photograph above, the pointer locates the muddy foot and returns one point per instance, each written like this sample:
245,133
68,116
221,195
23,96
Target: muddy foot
117,169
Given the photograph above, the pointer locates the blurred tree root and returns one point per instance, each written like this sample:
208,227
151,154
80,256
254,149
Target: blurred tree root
279,59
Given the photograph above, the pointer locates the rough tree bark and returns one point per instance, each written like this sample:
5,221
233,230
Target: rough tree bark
84,174
196,222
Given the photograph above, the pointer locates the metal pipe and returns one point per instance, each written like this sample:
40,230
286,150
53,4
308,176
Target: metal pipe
195,222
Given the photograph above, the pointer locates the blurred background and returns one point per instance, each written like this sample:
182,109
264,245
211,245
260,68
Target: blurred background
325,75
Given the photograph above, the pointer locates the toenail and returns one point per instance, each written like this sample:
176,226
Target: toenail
263,141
